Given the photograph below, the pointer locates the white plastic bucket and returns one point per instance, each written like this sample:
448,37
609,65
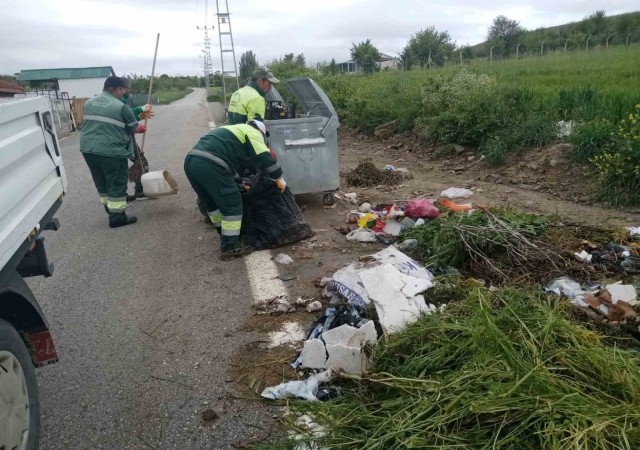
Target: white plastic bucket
158,184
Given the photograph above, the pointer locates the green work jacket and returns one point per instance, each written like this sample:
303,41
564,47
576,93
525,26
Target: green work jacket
107,126
240,146
246,103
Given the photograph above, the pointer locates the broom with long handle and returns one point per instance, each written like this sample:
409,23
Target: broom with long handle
137,169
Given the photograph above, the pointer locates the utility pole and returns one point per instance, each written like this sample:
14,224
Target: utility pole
207,65
226,47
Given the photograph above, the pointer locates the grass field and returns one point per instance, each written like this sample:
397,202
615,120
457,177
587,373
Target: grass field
610,78
171,95
504,107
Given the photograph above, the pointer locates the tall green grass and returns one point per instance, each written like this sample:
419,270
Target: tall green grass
573,86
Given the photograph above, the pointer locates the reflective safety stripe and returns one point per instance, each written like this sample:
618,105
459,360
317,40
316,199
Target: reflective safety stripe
233,218
272,168
219,161
105,119
117,204
215,217
231,227
103,199
132,123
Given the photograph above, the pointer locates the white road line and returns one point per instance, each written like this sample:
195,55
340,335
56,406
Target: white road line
263,277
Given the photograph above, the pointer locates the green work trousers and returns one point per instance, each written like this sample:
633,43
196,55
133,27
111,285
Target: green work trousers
110,175
220,195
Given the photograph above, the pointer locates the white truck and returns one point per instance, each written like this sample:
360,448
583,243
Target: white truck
32,187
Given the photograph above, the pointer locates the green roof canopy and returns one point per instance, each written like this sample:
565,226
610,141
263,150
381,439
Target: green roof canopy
65,74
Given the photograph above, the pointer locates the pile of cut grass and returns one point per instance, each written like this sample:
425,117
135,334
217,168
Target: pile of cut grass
497,370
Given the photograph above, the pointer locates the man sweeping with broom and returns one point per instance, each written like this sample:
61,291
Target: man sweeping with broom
140,163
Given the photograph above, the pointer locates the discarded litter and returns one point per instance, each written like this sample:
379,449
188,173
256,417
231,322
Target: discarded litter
365,208
564,128
283,259
361,235
314,306
421,207
453,193
367,174
407,245
583,256
634,231
275,306
302,389
456,207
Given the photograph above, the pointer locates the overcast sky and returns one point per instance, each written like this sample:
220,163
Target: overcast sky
38,34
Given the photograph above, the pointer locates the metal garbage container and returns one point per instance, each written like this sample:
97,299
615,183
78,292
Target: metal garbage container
307,146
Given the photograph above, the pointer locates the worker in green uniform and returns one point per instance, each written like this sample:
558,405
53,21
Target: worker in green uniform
248,103
212,167
106,146
141,113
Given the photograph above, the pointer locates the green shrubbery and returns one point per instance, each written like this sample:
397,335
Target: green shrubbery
503,107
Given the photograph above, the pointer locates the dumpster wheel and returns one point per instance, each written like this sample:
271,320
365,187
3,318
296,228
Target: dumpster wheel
329,199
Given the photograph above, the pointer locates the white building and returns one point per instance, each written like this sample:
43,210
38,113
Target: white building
385,62
77,82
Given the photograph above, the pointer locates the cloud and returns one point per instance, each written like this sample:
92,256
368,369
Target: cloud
121,33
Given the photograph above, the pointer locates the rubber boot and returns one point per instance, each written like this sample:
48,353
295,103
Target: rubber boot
121,219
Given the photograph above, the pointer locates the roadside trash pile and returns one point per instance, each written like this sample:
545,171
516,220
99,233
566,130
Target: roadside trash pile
341,339
385,222
497,329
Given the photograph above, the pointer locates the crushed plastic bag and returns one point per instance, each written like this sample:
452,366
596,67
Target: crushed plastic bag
456,207
367,220
306,389
271,218
453,192
421,208
361,235
284,259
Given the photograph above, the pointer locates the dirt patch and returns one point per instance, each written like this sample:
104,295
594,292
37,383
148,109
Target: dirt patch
367,174
542,180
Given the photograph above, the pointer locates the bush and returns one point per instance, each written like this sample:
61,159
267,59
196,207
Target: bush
590,139
618,166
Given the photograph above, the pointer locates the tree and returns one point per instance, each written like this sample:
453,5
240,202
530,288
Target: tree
504,34
301,60
425,44
365,55
248,64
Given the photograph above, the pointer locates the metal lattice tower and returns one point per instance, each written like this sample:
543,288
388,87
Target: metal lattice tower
227,50
207,65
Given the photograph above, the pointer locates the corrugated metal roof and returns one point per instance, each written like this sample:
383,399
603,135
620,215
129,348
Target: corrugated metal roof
65,74
12,88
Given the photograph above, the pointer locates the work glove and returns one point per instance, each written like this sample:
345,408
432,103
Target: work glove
147,107
282,185
146,114
141,129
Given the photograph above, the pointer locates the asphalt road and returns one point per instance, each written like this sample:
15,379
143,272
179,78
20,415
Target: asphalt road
146,319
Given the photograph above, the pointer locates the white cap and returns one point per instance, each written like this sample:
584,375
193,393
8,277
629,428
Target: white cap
260,126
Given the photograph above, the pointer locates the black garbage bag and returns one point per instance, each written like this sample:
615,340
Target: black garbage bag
271,218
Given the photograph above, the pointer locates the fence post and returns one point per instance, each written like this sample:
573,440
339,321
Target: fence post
460,55
626,43
491,53
542,49
587,45
518,50
609,37
565,45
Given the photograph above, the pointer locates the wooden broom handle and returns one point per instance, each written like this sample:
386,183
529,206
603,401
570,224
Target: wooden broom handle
153,72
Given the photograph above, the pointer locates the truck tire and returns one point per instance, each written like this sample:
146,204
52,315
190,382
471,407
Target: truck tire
19,405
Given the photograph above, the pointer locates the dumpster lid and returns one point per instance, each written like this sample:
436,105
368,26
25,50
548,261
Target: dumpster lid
273,95
311,97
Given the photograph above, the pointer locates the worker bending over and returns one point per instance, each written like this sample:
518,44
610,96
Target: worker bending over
212,169
248,103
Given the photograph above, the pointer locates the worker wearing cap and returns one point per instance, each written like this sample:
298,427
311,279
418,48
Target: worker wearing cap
106,146
212,167
248,103
141,113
